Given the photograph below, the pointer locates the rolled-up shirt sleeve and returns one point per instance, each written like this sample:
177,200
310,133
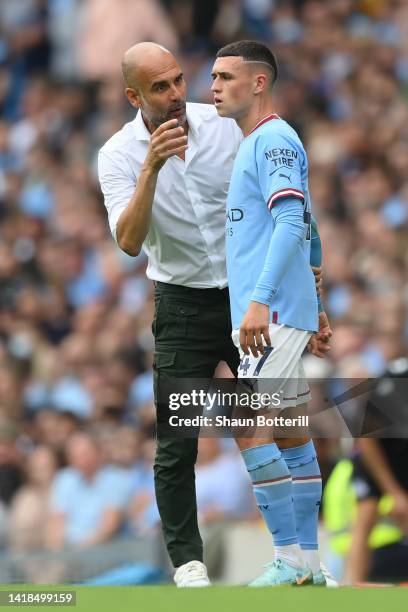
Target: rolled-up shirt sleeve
118,184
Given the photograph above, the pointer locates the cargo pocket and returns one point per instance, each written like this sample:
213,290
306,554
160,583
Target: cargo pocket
179,316
164,359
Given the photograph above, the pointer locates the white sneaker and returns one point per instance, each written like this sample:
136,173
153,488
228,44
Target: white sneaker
330,581
192,574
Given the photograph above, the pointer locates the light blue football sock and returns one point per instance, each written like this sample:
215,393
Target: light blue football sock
307,491
272,484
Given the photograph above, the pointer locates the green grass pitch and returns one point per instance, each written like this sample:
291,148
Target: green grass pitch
225,599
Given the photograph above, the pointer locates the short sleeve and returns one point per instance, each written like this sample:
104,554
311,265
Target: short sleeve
117,184
279,162
61,492
118,488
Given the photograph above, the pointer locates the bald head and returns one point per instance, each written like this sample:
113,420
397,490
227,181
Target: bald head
141,59
154,84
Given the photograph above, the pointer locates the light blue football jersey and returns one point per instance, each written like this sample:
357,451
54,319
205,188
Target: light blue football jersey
271,164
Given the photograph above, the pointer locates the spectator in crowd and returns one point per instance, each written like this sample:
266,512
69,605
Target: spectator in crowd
51,428
108,29
75,312
223,490
88,497
143,512
223,495
29,509
11,472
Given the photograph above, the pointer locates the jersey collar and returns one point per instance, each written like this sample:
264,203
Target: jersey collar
263,121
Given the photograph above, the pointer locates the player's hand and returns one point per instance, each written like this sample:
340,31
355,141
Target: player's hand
319,343
325,331
317,271
318,347
169,139
255,324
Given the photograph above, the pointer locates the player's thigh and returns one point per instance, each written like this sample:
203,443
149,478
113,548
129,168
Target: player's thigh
295,396
294,429
277,370
287,346
294,400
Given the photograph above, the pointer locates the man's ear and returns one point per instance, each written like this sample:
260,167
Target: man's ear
261,83
133,96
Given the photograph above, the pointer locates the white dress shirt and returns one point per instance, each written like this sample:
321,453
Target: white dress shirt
185,244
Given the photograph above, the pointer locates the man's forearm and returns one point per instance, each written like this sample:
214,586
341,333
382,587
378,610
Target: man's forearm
316,255
169,139
134,222
315,245
284,243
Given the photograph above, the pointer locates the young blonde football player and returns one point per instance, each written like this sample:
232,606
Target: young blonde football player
274,307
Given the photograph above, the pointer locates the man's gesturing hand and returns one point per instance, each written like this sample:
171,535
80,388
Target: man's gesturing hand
166,141
254,325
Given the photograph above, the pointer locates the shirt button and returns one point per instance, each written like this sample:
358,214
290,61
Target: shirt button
182,311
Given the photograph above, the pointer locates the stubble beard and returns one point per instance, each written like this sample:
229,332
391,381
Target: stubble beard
158,120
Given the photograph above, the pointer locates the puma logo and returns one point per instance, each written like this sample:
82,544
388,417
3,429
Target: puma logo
286,176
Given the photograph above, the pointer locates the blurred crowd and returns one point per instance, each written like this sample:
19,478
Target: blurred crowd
76,403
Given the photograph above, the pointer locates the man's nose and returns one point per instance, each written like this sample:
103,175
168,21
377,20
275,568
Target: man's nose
216,86
175,94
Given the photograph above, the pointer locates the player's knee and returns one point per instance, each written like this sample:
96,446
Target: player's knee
291,442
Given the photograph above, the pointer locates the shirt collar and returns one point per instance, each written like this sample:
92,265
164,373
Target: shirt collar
141,131
194,121
264,120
